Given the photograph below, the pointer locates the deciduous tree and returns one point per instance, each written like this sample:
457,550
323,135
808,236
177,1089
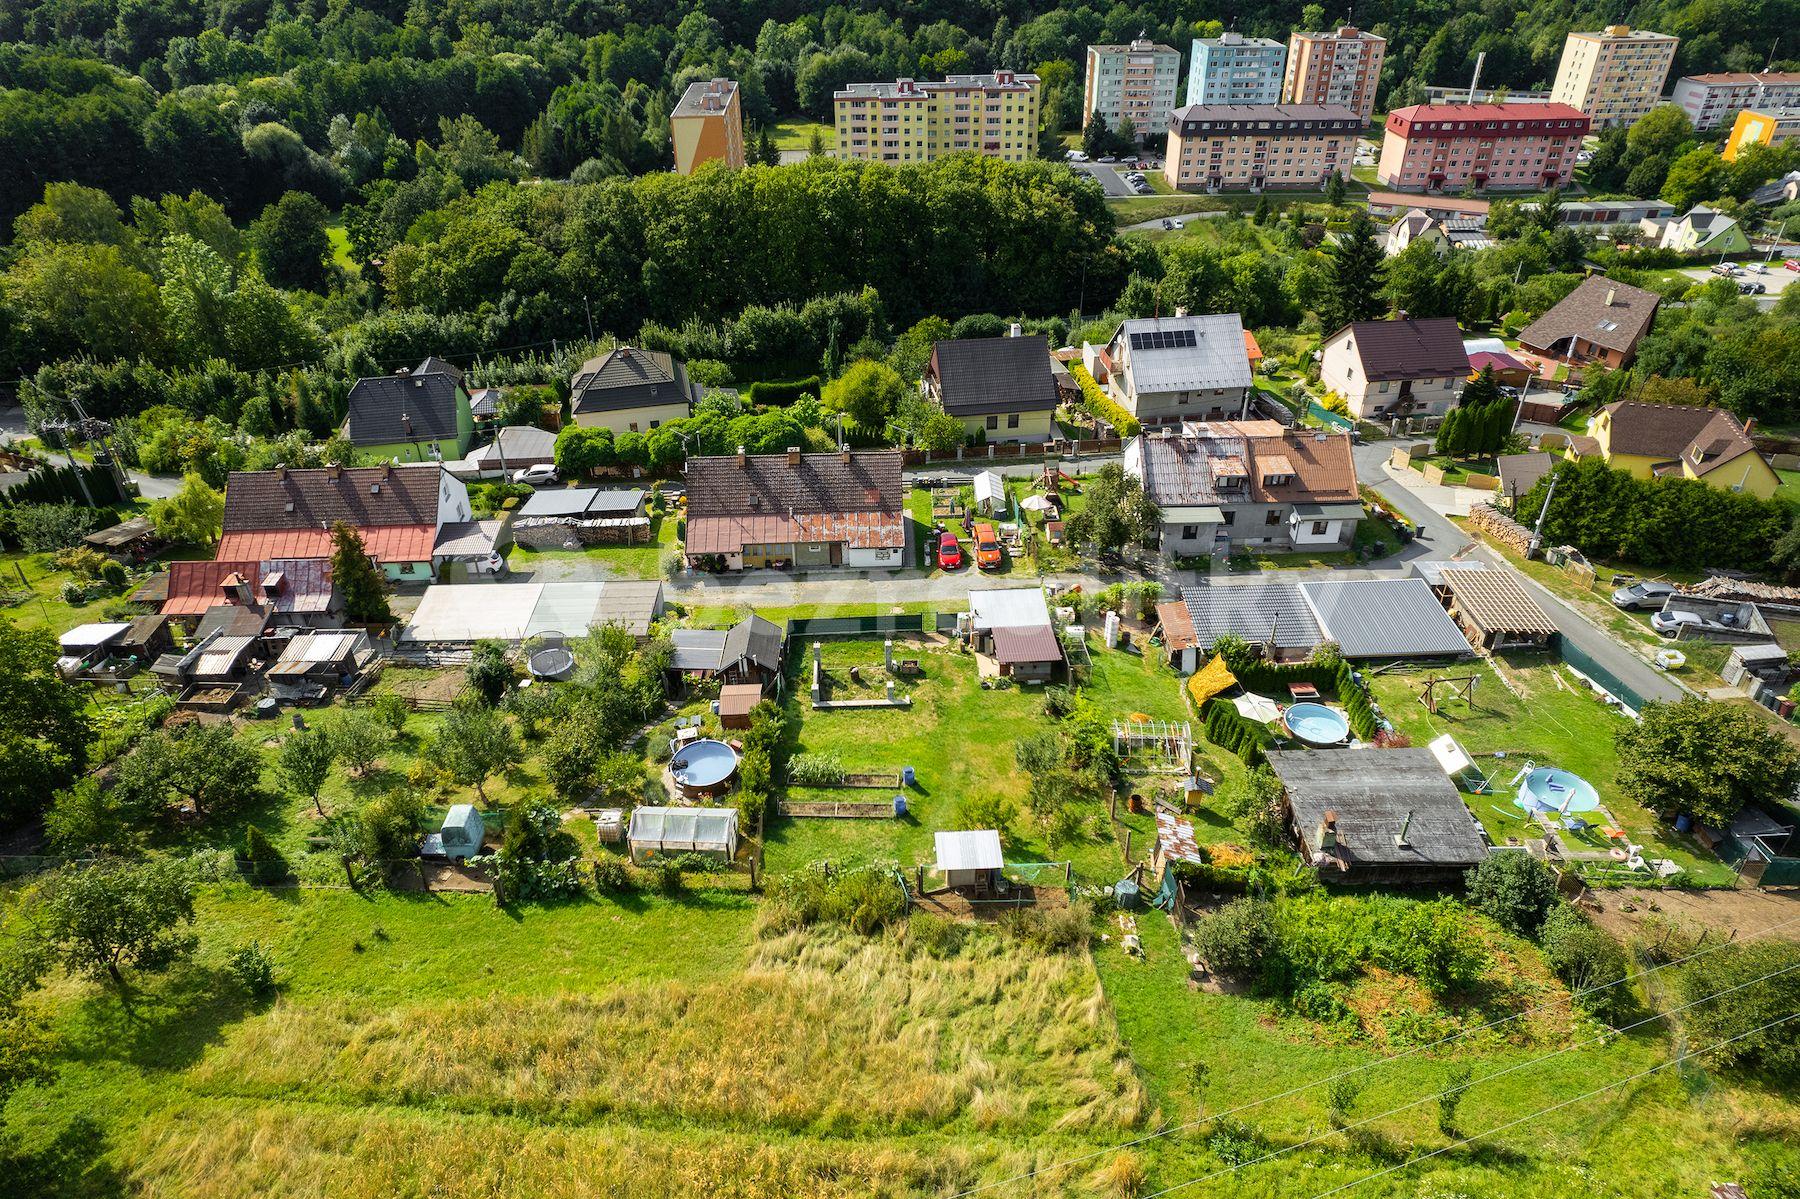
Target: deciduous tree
1705,759
44,726
102,918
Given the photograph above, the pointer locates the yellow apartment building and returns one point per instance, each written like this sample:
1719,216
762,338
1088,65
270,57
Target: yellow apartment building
910,121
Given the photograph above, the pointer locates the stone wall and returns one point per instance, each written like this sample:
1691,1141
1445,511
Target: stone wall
1492,523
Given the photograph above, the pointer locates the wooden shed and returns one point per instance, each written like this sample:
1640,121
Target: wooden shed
969,860
1495,611
735,702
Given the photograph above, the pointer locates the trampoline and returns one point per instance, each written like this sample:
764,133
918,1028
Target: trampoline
555,663
1547,789
703,768
1316,724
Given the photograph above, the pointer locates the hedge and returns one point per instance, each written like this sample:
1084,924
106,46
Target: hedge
781,394
1230,729
1274,678
1101,408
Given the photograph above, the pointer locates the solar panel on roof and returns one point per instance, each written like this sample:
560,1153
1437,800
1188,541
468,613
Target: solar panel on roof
1164,339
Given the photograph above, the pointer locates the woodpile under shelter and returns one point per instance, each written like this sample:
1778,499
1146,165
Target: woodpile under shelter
1387,816
1495,611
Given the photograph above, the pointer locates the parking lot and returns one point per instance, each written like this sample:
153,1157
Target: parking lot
1775,279
1111,177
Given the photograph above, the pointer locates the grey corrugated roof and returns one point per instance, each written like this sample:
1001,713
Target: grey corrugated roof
1252,612
1372,792
1384,618
1217,359
418,406
697,649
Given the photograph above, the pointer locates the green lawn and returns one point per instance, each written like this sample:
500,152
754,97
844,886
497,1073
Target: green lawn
641,561
35,600
795,133
340,248
1558,722
1790,486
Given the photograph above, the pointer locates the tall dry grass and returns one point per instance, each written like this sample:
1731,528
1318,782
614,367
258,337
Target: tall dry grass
820,1032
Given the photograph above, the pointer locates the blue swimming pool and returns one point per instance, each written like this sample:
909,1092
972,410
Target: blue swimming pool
1316,724
700,766
1546,788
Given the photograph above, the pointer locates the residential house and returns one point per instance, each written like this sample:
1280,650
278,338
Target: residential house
1137,82
1400,368
1703,230
1166,370
1446,147
1415,225
404,514
417,415
797,511
1228,485
1012,625
1715,100
1784,190
1678,441
1600,321
1761,127
289,592
749,652
1367,618
1606,216
1234,69
1338,66
1000,388
995,115
1614,75
629,390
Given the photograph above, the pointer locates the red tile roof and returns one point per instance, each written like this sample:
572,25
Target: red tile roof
384,543
1531,112
196,586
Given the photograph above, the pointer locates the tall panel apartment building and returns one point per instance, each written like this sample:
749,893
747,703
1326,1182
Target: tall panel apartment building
1614,75
1445,147
1140,81
1259,146
1342,66
1234,69
909,121
708,126
1713,101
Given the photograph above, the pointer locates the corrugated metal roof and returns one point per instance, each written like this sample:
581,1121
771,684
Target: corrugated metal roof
977,849
1384,618
1008,608
1255,613
1217,358
697,649
1032,643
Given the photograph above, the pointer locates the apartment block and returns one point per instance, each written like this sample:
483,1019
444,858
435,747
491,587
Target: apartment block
1767,126
1234,69
1258,146
1342,66
708,126
909,121
1446,147
1614,75
1713,101
1140,82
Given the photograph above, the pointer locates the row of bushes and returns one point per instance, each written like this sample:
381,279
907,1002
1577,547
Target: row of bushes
1230,729
1325,671
782,394
1099,407
765,749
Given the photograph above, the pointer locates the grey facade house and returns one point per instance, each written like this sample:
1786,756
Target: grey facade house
1228,485
1165,370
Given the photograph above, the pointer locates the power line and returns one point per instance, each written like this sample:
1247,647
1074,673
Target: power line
1555,1107
1391,1058
1512,1069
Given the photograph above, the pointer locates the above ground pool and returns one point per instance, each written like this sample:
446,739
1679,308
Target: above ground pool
703,767
1547,789
1316,724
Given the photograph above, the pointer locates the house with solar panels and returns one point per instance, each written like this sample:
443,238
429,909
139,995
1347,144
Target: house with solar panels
1166,370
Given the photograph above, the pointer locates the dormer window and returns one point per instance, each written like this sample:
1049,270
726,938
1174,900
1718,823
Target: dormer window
1277,480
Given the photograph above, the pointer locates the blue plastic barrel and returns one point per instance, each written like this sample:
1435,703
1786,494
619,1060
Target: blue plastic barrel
899,805
906,776
1683,823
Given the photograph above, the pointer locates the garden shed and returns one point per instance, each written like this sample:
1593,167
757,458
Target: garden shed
969,860
709,831
990,494
461,832
735,702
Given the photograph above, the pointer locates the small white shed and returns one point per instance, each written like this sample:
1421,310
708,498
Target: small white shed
712,831
969,859
990,493
462,832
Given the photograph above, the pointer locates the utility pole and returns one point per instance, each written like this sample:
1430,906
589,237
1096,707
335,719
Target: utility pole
1537,533
588,305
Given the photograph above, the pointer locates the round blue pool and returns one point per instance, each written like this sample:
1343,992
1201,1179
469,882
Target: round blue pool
1316,724
1547,788
703,767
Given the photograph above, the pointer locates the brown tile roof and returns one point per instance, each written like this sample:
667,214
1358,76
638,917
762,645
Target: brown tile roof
1495,602
1181,470
857,498
1601,311
1177,625
1706,437
315,498
1427,347
1032,643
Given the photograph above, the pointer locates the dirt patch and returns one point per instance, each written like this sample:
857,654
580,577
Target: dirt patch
953,905
1626,911
432,688
442,876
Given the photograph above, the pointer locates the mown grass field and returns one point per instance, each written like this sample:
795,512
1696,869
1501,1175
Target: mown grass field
640,561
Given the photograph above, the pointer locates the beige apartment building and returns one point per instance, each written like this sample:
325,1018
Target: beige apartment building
1340,66
708,126
1258,146
1615,75
1136,82
909,121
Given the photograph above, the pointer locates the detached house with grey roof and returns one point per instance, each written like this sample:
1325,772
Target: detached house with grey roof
629,390
1166,370
417,415
1000,388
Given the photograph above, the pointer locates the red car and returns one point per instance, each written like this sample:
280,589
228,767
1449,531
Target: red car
949,552
1792,264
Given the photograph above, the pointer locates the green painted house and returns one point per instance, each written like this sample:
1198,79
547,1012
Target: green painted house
418,415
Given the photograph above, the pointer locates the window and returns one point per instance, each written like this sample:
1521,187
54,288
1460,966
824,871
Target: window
407,568
1318,528
655,424
634,427
1012,420
1230,518
1272,517
1189,532
993,422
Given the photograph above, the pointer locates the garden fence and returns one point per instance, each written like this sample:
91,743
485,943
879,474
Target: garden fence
1589,666
1335,420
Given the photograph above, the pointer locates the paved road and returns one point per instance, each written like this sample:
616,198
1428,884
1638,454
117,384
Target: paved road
1439,538
150,487
1104,174
1183,217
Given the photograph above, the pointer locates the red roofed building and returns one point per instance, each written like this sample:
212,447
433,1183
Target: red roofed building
1445,147
797,511
403,513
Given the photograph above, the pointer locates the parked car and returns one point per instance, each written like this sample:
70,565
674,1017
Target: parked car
1642,594
1670,624
950,555
1724,268
1751,288
1109,158
536,476
1168,224
987,547
1792,264
1078,156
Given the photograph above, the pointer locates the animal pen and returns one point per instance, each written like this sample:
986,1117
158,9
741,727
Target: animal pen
1159,746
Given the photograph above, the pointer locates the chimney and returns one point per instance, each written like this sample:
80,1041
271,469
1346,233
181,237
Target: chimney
281,473
1402,315
1400,837
844,455
1612,293
387,469
793,453
1328,832
406,423
1749,424
333,471
402,373
1015,330
743,459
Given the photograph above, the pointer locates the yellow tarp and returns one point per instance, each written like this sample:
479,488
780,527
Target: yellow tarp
1209,680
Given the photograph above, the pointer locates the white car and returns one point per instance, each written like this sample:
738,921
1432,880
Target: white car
536,476
1078,156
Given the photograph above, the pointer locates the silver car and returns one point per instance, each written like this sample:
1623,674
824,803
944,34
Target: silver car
1641,595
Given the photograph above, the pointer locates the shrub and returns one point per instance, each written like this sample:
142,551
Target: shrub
391,710
1341,1094
1098,406
1239,940
782,394
114,575
863,899
265,861
1588,961
815,770
253,968
1514,889
1456,1085
1052,930
1235,1142
935,935
42,527
611,874
489,673
1768,973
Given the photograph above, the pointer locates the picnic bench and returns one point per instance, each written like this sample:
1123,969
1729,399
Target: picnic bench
1303,692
